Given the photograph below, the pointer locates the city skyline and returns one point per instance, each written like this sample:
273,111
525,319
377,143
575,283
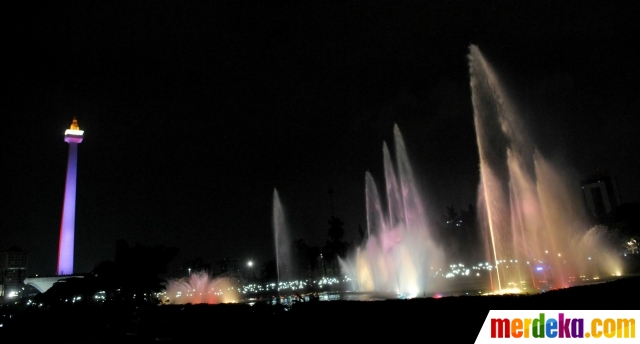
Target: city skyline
195,114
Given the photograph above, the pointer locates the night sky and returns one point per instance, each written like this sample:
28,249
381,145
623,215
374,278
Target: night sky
194,112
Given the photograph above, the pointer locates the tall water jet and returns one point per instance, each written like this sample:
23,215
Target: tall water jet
532,217
399,254
282,242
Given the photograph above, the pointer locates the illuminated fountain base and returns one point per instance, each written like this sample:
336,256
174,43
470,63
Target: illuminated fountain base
400,254
201,288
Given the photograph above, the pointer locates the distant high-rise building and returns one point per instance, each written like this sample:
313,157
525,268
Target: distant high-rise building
601,195
13,267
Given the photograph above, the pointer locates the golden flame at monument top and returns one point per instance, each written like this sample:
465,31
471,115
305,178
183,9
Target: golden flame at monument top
74,129
74,124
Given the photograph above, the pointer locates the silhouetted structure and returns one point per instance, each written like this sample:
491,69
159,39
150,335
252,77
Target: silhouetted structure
601,195
13,266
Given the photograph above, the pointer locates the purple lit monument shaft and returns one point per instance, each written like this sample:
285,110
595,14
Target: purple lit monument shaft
72,136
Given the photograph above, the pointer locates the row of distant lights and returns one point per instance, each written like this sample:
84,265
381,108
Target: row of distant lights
253,288
193,292
459,270
456,270
293,285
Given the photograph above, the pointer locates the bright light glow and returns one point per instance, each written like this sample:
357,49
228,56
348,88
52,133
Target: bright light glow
400,249
505,291
74,132
200,288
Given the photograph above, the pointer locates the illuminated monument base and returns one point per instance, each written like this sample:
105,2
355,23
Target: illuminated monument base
42,284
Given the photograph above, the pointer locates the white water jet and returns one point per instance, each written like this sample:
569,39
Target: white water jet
531,213
399,255
282,241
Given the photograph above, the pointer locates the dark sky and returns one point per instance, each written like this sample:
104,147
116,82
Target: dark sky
194,112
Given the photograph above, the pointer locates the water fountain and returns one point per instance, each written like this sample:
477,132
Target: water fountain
282,242
532,218
399,255
531,213
199,288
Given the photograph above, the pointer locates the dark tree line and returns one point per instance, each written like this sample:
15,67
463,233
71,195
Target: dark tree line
457,231
134,277
459,234
623,223
313,261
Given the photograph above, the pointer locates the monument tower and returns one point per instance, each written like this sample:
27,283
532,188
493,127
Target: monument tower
73,136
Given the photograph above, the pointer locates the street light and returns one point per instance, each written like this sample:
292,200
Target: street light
249,276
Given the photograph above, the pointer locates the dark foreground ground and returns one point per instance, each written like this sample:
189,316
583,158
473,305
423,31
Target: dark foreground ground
423,319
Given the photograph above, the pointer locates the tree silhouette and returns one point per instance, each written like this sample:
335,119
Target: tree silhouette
304,261
133,278
68,292
459,232
336,232
452,214
196,264
334,247
269,272
141,267
361,235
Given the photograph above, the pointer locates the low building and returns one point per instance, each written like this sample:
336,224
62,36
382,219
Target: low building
13,267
